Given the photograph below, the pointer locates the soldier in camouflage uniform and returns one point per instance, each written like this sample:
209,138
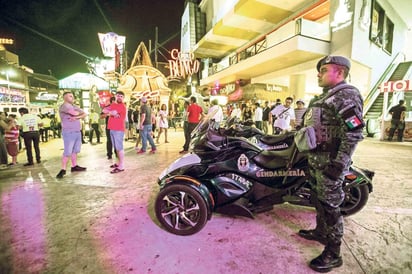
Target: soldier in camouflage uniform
336,116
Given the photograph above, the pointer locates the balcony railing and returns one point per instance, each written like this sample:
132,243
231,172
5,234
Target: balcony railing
303,27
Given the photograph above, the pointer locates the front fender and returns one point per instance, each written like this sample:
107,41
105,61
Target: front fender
362,177
186,160
196,185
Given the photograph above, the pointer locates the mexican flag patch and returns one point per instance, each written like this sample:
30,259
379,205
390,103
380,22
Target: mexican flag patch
353,122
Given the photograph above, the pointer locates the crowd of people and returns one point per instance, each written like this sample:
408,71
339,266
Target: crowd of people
147,123
17,133
29,129
143,122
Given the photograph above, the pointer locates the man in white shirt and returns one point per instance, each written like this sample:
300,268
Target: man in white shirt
284,117
258,116
236,112
218,113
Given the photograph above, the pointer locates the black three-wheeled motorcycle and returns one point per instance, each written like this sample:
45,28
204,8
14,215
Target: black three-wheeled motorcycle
234,176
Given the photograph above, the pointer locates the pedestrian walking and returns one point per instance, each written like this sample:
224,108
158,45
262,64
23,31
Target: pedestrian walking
398,120
163,123
3,149
117,113
186,133
70,116
109,145
146,126
282,117
136,120
336,117
55,125
94,126
265,117
218,113
299,112
30,124
236,112
130,124
194,115
46,122
12,138
258,116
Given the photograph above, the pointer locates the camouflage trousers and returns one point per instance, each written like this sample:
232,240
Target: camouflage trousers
327,197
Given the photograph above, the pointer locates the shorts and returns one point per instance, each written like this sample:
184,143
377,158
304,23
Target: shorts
117,137
12,149
72,141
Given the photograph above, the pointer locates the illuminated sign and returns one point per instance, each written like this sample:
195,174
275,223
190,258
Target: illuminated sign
11,91
229,88
273,88
401,85
182,64
45,96
6,41
84,81
11,96
110,41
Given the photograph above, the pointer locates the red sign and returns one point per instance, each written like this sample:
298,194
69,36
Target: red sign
182,64
401,85
104,98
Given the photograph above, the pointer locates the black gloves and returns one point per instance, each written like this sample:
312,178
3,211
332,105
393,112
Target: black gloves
333,171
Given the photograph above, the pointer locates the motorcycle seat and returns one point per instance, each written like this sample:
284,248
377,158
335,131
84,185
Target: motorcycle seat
274,139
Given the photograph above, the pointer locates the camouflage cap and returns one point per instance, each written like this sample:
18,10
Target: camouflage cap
337,60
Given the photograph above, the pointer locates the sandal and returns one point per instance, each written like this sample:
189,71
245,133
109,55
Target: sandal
114,166
116,170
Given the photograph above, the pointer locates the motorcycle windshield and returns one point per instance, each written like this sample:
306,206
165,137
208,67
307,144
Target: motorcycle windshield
204,125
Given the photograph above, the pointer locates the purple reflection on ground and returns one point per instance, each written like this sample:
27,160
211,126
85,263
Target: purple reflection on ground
23,209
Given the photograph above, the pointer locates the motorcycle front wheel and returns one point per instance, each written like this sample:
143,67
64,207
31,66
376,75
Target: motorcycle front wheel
181,209
356,198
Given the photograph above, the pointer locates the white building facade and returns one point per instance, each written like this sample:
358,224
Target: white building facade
276,44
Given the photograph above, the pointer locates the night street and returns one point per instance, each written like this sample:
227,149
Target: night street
97,222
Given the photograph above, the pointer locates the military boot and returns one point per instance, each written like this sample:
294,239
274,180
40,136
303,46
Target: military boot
329,259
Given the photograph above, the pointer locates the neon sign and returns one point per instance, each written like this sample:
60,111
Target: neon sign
6,41
182,64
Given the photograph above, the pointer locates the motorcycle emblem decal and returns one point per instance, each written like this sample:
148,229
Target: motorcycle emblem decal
281,173
243,163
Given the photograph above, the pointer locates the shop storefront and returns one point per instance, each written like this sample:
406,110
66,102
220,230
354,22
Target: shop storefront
12,99
90,91
43,101
401,89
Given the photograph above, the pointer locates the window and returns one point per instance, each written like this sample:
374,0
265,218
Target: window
381,30
387,35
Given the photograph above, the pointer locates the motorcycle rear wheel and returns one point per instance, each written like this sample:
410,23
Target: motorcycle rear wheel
181,209
356,198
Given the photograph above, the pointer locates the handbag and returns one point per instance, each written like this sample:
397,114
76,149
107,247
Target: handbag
305,139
